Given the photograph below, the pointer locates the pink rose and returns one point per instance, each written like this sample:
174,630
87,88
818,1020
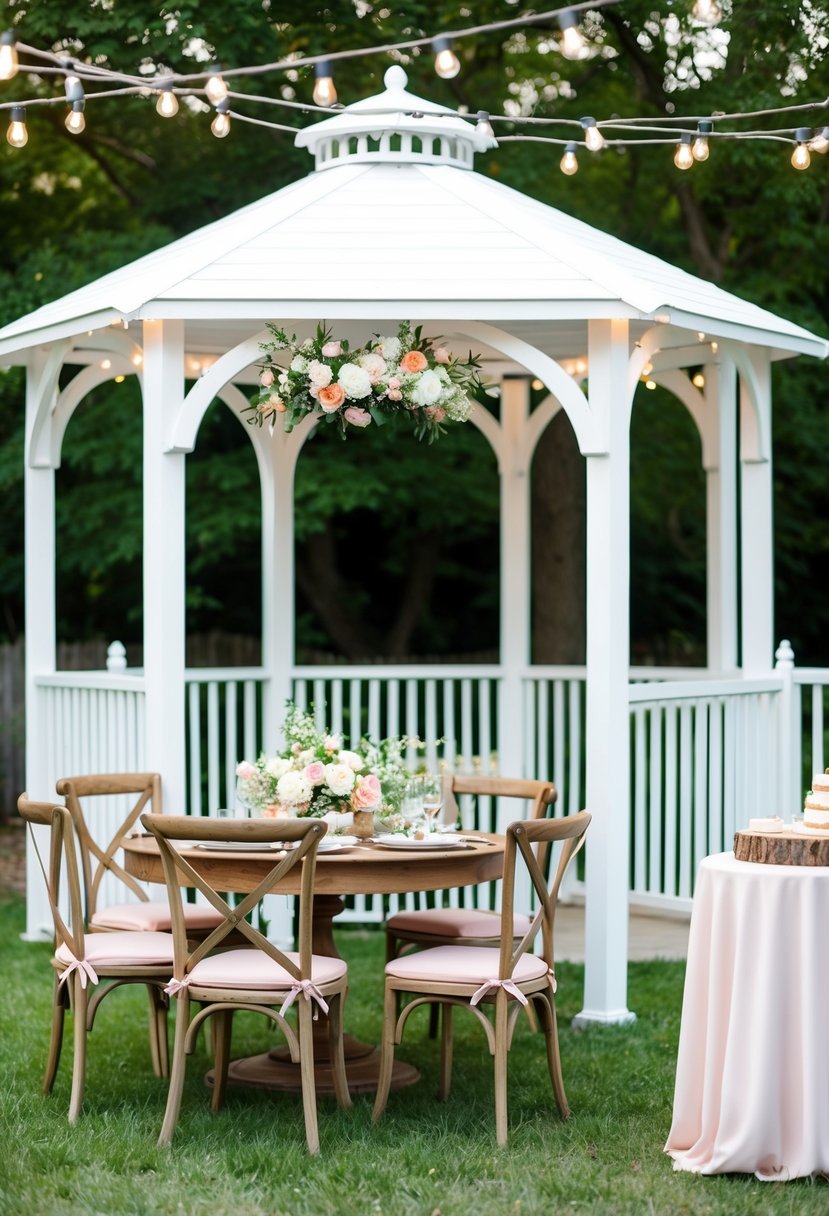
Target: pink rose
332,349
315,772
356,416
394,382
366,793
442,355
436,412
394,394
245,770
266,378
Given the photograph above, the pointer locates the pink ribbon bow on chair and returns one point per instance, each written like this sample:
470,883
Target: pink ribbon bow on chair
492,985
176,986
78,964
309,991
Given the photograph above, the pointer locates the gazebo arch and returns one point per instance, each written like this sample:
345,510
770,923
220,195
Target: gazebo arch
532,287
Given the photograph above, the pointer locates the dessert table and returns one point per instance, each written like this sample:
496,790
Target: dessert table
364,869
752,1079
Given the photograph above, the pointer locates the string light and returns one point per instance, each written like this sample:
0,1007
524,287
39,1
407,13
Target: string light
707,11
700,148
216,89
593,137
698,380
572,43
73,88
820,143
800,157
17,135
75,122
684,155
483,126
447,64
325,94
8,55
569,162
220,126
167,104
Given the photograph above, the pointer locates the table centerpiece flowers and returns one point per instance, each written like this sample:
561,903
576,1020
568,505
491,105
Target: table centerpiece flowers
316,775
403,374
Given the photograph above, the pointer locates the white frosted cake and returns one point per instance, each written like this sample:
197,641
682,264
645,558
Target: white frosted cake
816,806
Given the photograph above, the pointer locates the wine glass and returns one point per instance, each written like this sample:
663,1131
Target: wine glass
432,798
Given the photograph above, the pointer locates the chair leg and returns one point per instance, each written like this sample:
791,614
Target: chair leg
336,1050
547,1004
56,1037
79,1002
434,1015
386,1052
177,1071
305,1018
445,1051
157,1027
222,1031
501,1055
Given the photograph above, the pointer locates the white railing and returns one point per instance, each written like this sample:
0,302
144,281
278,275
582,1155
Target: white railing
224,726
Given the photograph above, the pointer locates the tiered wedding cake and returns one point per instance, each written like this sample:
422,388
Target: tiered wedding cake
816,806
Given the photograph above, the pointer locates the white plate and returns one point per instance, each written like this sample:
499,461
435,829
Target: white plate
436,841
336,844
241,846
804,831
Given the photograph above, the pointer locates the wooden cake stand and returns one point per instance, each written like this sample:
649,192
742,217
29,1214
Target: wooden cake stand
786,848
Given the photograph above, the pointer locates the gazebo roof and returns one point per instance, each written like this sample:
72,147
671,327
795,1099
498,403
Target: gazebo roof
396,225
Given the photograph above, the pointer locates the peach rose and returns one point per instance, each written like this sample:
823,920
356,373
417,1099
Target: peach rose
266,378
331,397
276,403
442,355
366,793
356,416
275,810
414,361
394,394
436,412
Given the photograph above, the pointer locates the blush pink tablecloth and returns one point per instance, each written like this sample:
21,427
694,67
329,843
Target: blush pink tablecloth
752,1077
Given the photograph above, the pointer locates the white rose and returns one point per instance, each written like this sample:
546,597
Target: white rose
390,348
339,778
354,381
375,366
332,743
305,757
319,373
353,761
299,363
293,788
427,390
277,766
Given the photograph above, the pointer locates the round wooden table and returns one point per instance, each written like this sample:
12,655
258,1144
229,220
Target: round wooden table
366,869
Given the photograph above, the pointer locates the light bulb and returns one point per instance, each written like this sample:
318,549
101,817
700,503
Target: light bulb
17,135
73,87
167,104
698,380
447,64
700,147
569,162
707,11
8,55
820,143
483,126
75,122
216,89
572,43
325,94
800,157
684,155
220,126
593,137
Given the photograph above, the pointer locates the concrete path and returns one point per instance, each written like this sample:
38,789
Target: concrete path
650,936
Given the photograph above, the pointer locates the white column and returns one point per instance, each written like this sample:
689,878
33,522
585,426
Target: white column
756,533
721,515
608,648
515,578
164,565
278,580
39,548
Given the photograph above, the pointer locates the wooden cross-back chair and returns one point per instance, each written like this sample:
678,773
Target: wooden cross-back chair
468,926
259,977
82,959
99,860
507,977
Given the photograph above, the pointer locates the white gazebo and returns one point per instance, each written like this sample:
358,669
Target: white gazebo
394,224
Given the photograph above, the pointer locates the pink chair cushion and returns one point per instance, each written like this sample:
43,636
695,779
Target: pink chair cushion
154,916
253,969
465,964
454,922
128,949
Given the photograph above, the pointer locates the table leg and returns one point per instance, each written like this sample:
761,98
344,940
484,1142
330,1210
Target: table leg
275,1070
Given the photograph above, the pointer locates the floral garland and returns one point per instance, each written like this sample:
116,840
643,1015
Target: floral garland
315,774
406,374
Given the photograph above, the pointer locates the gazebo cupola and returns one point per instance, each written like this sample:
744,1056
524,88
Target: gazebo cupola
394,126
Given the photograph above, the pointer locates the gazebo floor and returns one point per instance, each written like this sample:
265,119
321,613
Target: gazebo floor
650,936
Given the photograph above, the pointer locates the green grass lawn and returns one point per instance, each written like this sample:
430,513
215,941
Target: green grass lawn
423,1158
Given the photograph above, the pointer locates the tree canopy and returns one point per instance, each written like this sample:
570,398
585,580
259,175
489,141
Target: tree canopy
75,207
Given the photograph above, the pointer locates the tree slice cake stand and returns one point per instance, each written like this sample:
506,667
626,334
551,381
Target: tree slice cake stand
786,848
